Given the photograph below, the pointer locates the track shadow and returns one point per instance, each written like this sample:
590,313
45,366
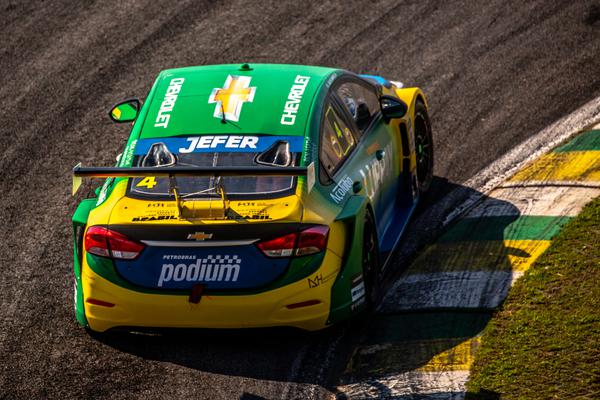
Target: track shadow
442,288
320,358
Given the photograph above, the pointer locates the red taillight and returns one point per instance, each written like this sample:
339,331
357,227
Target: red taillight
279,247
312,240
106,243
306,242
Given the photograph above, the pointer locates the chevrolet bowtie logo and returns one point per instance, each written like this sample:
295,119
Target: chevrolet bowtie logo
231,97
199,236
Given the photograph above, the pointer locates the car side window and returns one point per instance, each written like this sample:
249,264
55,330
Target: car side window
361,102
337,141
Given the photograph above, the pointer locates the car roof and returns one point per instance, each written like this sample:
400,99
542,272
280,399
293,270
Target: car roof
190,101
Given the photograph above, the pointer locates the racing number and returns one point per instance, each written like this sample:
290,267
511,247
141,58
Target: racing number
148,182
339,139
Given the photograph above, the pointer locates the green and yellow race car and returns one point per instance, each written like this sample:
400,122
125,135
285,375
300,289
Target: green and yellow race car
250,196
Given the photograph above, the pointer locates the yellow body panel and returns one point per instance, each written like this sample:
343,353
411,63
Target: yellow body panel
264,309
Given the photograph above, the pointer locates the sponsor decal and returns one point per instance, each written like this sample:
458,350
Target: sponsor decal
127,156
179,257
373,174
103,192
319,279
316,281
219,143
341,189
310,176
308,151
330,79
200,236
217,268
290,109
259,214
168,103
231,97
153,218
357,292
160,205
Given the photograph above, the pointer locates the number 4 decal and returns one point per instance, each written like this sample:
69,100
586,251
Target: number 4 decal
148,182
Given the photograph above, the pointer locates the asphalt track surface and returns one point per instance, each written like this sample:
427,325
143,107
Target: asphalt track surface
495,74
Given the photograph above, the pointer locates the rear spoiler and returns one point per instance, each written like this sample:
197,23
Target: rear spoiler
80,172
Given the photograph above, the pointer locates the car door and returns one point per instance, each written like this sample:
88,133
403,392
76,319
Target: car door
376,163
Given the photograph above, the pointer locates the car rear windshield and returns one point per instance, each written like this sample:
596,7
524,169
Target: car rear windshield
169,152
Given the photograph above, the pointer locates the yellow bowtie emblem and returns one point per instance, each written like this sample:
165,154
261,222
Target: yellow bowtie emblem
232,96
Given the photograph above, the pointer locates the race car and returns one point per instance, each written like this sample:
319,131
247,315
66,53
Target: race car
253,195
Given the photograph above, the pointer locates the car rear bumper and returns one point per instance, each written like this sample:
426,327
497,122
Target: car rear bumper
266,309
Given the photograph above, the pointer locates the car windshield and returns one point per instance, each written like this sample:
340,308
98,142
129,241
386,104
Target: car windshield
160,153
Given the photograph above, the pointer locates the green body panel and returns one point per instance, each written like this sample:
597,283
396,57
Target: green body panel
193,112
352,216
79,221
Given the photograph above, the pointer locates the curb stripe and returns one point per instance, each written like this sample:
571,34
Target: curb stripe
435,385
421,345
476,290
414,327
427,356
587,141
526,227
575,165
497,255
524,200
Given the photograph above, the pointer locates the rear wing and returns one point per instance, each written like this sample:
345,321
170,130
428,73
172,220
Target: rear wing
80,172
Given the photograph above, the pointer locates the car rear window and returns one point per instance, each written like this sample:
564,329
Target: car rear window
215,151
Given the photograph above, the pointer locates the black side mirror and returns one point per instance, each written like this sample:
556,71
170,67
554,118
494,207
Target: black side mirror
392,107
125,111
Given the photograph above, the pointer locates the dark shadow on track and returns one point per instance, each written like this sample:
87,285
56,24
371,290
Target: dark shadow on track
272,354
422,317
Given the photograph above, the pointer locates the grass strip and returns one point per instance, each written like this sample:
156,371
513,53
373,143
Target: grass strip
545,341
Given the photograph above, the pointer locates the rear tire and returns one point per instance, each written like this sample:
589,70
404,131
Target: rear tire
423,147
370,263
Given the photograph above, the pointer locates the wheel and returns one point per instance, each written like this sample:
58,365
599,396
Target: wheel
423,148
370,262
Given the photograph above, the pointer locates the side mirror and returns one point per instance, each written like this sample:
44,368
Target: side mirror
392,107
125,111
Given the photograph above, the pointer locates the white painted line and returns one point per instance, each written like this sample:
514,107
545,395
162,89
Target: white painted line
500,170
457,289
436,385
551,201
581,184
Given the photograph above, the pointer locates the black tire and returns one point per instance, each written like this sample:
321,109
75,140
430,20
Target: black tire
423,148
370,263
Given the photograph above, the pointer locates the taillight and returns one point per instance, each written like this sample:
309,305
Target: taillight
279,247
106,243
309,241
312,240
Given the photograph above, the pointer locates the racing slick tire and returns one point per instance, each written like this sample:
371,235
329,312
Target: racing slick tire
370,263
423,147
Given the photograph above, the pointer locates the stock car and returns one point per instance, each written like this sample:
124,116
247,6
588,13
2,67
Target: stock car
252,195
